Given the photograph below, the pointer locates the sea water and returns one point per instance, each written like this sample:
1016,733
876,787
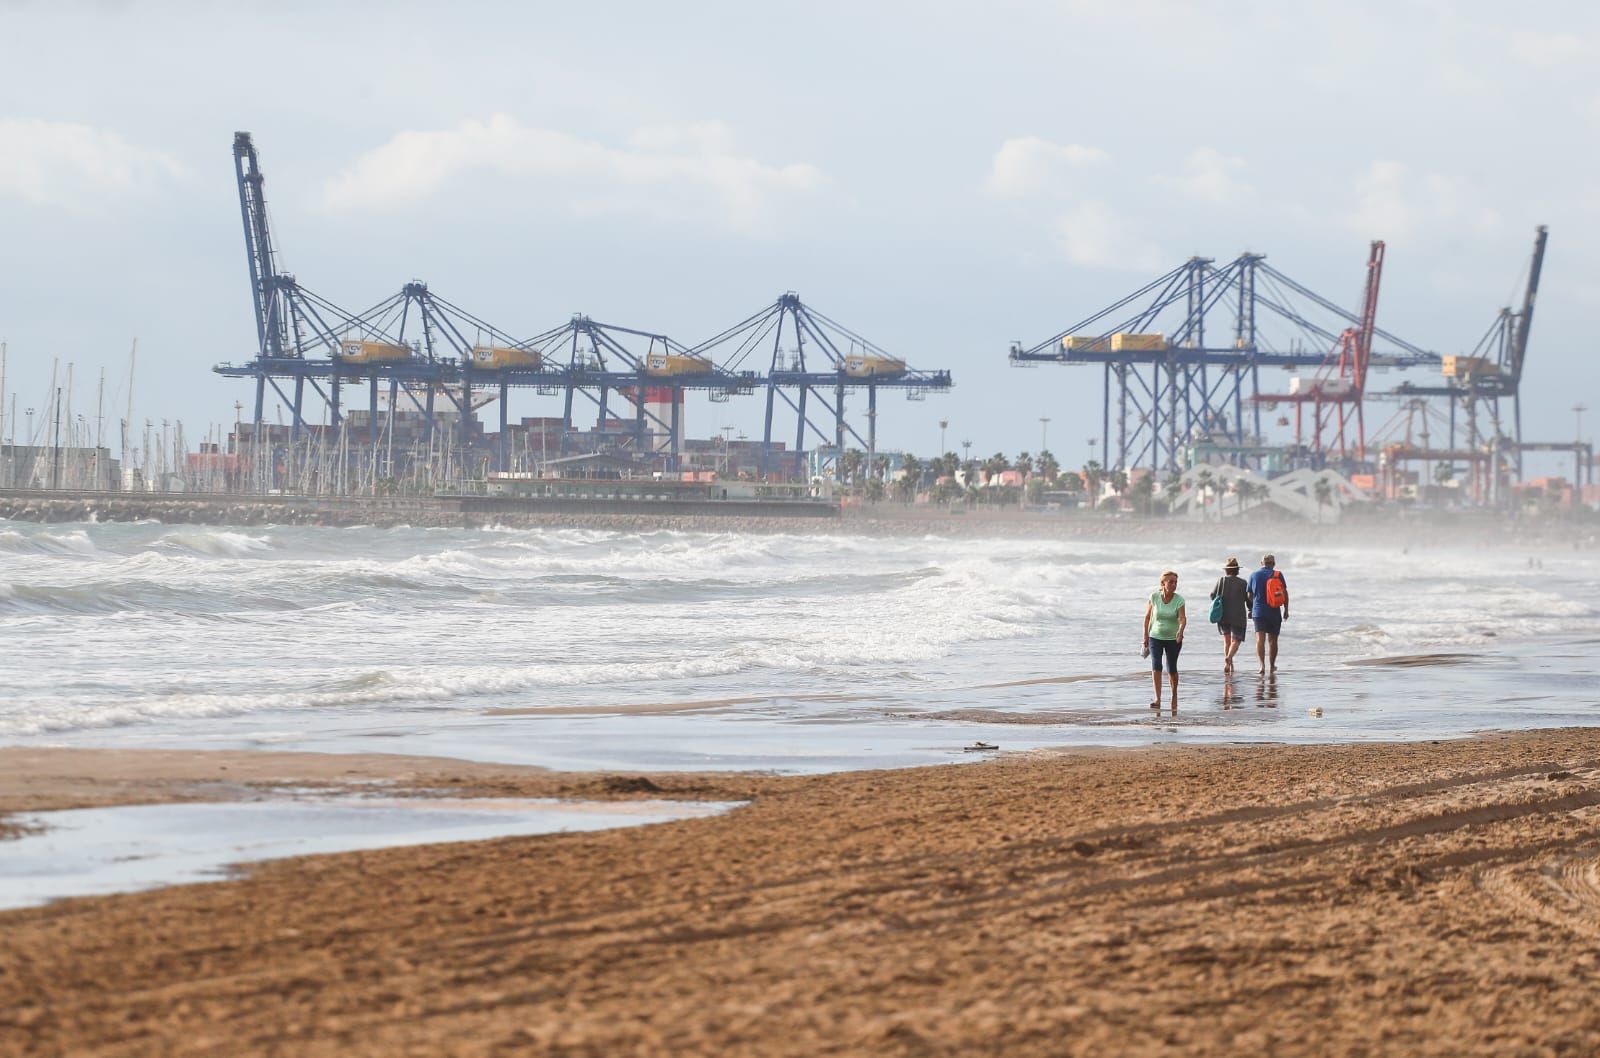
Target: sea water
94,851
811,651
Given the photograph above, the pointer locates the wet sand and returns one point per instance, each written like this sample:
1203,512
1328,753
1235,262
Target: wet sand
1421,899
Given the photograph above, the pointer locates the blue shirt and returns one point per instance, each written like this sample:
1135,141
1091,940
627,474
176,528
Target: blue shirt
1258,592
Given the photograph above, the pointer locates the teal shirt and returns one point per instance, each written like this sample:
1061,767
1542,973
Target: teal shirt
1164,616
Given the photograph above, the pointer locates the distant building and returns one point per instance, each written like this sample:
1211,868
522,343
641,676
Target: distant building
51,467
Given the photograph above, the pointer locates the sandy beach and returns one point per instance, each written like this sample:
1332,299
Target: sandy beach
1418,899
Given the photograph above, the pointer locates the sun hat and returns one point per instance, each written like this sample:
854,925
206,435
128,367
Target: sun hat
1232,563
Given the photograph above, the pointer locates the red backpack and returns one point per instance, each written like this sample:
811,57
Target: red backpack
1277,593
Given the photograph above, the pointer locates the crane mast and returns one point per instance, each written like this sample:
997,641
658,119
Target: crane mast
1519,344
271,326
1369,316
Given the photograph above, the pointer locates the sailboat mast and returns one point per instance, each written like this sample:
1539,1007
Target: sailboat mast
99,425
133,356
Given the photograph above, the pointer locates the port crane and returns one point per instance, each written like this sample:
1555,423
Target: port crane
648,371
1337,393
420,346
812,358
1476,383
1181,358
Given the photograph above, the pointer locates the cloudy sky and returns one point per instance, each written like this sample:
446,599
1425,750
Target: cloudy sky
944,178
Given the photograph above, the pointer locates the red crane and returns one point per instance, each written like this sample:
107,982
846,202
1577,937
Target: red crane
1335,394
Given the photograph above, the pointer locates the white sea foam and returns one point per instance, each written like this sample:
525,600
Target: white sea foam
196,630
216,542
48,542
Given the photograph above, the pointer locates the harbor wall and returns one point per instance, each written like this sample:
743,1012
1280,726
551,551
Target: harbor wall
1388,529
444,512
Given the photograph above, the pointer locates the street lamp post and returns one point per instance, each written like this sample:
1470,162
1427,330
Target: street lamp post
1044,434
238,443
942,424
1578,410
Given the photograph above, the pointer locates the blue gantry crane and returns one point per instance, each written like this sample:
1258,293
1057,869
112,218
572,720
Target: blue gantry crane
649,371
1476,383
809,357
419,346
1181,357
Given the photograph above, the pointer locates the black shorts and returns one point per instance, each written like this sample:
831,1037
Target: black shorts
1164,647
1231,631
1270,622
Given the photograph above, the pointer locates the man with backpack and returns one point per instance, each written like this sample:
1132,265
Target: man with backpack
1269,608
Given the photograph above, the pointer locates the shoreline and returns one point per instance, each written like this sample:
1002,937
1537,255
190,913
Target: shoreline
1412,898
52,778
1416,528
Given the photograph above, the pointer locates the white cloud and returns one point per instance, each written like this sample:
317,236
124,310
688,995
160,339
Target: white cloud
1027,164
1550,49
1211,175
71,165
1382,209
694,137
1094,235
1062,189
1392,202
662,170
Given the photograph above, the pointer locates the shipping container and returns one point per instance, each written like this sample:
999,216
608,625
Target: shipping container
354,351
1086,343
676,364
874,367
1125,342
1324,387
499,358
1468,367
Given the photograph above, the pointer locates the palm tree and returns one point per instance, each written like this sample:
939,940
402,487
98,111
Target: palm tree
1119,483
1144,491
1049,469
850,463
1323,491
1092,473
1024,463
1241,489
1248,490
910,480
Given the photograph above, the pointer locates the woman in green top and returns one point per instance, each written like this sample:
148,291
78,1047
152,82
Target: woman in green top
1164,622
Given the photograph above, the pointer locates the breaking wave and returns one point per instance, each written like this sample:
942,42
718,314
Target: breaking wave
181,627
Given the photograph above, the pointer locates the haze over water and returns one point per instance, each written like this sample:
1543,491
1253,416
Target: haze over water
585,649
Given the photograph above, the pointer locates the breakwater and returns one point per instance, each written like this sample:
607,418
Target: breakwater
1262,528
421,511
